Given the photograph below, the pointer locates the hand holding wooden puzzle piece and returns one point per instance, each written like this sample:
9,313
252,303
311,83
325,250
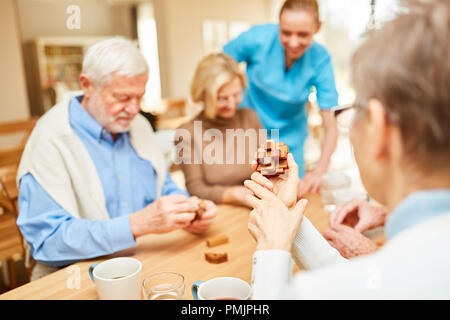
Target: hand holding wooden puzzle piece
271,161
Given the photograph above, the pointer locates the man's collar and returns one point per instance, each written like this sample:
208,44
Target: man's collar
81,118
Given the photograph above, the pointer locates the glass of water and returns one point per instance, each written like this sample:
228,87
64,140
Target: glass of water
164,286
330,182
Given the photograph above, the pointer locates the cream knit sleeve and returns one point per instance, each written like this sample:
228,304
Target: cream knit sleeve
310,249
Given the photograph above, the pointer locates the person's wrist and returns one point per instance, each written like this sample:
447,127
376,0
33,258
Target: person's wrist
381,215
139,220
136,224
236,194
320,170
228,195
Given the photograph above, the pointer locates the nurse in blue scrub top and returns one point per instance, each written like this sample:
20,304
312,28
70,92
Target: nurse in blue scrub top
283,64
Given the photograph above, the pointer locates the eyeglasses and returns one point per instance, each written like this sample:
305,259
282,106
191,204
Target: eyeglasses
340,109
345,114
226,100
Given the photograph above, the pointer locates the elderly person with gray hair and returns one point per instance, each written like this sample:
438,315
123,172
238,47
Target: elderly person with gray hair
401,141
91,179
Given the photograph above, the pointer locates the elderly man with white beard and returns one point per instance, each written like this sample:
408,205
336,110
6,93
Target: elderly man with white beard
91,179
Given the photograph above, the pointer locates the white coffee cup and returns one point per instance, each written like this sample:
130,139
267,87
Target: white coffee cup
224,288
117,278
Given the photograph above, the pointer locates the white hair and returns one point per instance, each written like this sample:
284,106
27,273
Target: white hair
115,55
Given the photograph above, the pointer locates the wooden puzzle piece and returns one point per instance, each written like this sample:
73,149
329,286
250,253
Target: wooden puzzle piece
272,158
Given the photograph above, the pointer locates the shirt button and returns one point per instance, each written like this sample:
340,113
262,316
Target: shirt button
120,177
124,204
104,131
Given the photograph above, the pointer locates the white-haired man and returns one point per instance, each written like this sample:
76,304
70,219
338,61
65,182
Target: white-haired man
91,179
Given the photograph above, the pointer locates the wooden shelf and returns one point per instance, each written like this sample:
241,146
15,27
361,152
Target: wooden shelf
58,63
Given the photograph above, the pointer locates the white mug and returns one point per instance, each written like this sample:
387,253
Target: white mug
224,288
117,278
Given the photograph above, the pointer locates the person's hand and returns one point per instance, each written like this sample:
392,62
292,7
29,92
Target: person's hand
349,242
284,186
201,224
358,214
235,195
311,183
271,223
165,214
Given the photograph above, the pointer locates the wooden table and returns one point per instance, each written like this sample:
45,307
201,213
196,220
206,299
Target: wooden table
177,251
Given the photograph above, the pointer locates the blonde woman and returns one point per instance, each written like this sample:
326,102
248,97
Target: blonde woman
214,162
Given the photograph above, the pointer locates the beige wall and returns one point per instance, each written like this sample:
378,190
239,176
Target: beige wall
13,92
179,27
48,18
179,24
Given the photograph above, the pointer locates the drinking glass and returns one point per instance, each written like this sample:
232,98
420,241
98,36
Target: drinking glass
331,182
164,286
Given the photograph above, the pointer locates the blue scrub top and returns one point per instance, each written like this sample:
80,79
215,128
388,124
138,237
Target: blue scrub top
278,96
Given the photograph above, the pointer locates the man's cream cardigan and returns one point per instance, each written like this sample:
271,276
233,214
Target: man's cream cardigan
61,164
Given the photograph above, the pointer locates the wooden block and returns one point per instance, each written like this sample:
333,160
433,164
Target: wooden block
200,211
270,144
283,164
266,160
272,158
269,170
216,257
284,150
260,154
274,153
216,241
270,166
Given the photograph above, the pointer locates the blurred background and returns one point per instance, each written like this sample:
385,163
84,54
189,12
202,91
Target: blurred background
43,42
